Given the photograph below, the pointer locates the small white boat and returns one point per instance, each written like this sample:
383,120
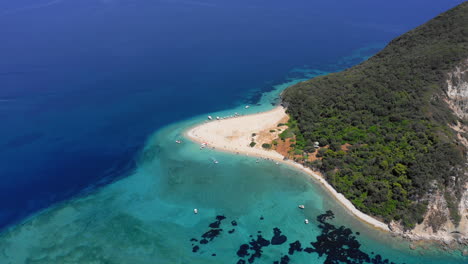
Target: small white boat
247,106
210,118
178,141
195,211
301,206
306,221
215,161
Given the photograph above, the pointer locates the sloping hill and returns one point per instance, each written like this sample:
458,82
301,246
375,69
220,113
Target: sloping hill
394,109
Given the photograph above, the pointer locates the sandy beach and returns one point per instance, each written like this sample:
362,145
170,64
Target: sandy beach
235,134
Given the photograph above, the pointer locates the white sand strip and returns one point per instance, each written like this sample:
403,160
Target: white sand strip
235,134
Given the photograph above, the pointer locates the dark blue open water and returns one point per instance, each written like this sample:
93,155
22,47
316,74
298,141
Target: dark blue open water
84,83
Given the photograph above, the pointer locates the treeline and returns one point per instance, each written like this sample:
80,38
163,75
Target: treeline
391,110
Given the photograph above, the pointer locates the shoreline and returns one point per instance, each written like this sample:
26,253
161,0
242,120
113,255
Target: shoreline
233,135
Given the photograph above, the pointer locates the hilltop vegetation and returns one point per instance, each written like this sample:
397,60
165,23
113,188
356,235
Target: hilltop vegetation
391,110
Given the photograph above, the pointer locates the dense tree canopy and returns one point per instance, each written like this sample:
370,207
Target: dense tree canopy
391,109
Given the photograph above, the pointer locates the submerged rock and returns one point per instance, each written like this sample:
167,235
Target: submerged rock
278,238
243,250
217,223
195,248
284,260
211,234
256,246
295,246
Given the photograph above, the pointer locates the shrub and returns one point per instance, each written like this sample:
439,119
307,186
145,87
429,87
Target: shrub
266,146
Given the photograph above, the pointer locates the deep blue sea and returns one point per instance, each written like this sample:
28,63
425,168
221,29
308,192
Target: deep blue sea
91,91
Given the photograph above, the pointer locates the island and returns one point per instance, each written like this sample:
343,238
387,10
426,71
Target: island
388,137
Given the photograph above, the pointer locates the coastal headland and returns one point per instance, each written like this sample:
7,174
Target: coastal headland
236,135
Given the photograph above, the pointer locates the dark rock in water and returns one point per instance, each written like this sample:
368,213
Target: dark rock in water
195,248
216,224
214,255
339,245
242,252
326,216
262,242
296,246
220,217
256,246
378,259
211,234
336,244
277,238
284,260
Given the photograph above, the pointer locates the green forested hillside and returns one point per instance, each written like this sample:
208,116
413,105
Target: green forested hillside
391,110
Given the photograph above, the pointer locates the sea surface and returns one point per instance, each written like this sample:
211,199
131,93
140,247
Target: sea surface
93,95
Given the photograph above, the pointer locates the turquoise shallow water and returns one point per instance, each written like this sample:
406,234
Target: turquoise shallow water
148,216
